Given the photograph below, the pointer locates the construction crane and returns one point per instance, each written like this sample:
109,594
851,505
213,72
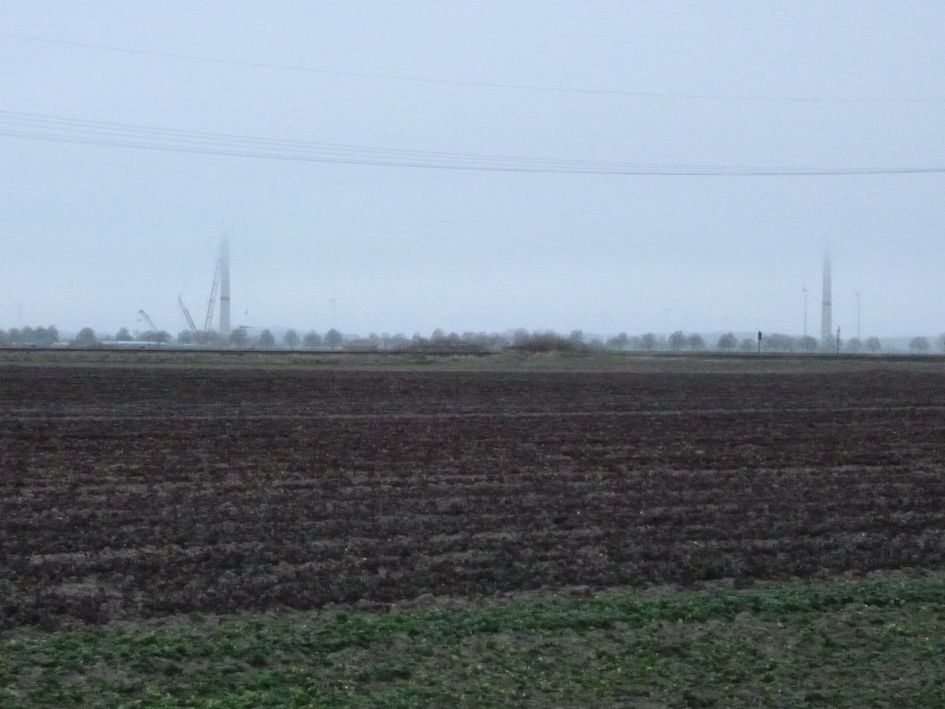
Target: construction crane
186,312
221,278
144,316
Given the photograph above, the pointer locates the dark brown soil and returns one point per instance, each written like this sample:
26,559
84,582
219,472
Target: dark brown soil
147,491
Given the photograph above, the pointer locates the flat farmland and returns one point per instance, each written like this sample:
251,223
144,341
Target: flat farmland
211,530
148,491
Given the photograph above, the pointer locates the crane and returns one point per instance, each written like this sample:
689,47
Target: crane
186,312
144,316
219,274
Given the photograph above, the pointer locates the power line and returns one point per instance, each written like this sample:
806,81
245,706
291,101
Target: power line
378,76
100,133
100,130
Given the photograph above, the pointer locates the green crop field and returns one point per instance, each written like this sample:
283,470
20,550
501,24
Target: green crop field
875,642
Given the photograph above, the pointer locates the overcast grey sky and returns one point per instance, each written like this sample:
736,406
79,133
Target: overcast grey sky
90,233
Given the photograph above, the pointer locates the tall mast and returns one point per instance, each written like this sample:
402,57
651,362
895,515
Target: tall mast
224,266
826,312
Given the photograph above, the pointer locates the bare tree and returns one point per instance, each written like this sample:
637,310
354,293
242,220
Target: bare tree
777,342
400,342
239,338
47,336
291,340
544,342
312,340
919,345
677,341
85,338
333,339
873,345
727,342
620,342
266,340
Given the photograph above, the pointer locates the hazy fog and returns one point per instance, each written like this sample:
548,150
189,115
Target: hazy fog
90,234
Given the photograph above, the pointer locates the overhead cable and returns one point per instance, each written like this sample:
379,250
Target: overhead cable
100,133
442,81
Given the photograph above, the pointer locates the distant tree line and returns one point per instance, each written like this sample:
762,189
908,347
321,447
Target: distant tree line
440,341
29,337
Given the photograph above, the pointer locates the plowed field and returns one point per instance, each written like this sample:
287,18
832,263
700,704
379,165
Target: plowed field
130,492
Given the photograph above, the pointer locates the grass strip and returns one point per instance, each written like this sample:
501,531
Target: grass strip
845,643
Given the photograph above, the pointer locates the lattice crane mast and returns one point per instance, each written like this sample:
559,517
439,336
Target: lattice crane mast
186,312
144,316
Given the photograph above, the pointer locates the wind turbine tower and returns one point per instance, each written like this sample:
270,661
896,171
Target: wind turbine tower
224,266
826,312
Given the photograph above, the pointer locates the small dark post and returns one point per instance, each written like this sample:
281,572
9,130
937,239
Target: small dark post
759,342
838,340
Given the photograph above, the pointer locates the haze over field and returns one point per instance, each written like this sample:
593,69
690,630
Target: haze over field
90,233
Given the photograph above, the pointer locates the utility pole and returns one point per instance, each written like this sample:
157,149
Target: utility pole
838,339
